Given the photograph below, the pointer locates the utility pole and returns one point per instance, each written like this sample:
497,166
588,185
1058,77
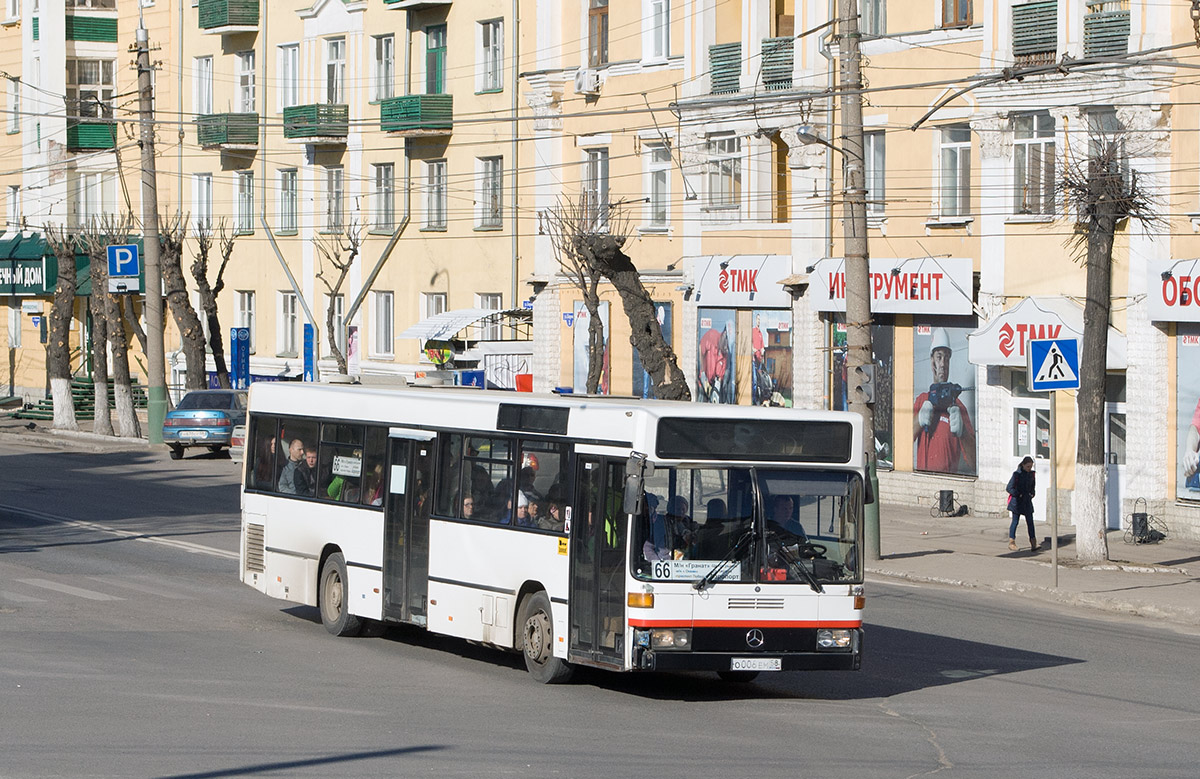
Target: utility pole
859,359
157,407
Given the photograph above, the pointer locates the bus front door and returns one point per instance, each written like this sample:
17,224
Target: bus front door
597,596
406,530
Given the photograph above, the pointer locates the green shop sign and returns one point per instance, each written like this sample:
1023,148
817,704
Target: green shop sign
24,277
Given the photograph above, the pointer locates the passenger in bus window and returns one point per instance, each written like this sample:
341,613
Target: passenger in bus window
306,473
553,518
467,507
264,462
536,510
374,490
288,479
681,530
782,518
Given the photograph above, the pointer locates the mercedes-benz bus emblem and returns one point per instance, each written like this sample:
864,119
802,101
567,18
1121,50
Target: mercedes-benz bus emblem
754,638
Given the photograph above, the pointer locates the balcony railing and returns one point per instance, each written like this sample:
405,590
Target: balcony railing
83,135
725,67
777,62
329,122
1106,29
1035,32
417,114
227,130
228,16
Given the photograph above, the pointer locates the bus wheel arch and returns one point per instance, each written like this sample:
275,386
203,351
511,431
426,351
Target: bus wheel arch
535,639
332,595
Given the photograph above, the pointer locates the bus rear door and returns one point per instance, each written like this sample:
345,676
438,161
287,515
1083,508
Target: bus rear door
406,526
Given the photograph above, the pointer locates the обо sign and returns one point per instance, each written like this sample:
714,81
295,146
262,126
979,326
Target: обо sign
1173,290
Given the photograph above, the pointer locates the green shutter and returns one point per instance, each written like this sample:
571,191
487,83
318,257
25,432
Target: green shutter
94,29
725,67
777,62
36,31
1106,29
1035,31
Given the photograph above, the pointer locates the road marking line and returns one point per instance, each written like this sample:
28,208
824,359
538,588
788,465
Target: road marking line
16,597
68,589
148,589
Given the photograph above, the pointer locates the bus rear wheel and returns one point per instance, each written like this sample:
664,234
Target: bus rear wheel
332,598
537,641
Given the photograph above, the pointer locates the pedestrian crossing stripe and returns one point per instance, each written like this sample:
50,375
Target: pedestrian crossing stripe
1055,367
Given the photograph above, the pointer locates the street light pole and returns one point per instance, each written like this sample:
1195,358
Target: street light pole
859,358
156,381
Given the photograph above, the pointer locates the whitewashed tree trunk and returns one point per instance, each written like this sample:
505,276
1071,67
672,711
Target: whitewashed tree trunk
1091,543
64,406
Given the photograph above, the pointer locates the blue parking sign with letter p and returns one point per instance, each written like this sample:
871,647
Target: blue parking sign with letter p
123,260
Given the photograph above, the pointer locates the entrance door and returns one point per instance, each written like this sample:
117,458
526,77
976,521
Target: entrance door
1114,449
597,594
406,529
1031,437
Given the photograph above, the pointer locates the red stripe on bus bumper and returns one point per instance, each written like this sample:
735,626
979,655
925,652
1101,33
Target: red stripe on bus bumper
722,623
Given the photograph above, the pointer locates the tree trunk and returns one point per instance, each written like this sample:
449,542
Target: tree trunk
1090,541
331,336
216,345
102,423
58,348
118,341
191,332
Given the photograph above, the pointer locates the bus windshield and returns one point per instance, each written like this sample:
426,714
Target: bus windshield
750,524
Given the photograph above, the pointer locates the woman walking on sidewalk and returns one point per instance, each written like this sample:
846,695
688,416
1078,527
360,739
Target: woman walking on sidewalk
1021,488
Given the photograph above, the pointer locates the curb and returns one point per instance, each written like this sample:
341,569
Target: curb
75,439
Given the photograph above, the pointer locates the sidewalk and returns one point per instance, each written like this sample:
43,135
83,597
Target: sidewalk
37,433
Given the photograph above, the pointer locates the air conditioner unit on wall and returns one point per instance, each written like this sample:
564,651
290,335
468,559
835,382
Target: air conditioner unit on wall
587,82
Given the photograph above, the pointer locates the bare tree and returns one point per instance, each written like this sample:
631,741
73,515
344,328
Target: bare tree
337,254
588,239
210,290
171,232
1103,193
58,348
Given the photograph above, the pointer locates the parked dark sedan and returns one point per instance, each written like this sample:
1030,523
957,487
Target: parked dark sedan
204,418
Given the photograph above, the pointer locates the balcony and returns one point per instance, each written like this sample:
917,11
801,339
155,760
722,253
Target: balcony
415,115
1035,33
227,131
228,17
415,5
1106,29
317,123
777,56
84,135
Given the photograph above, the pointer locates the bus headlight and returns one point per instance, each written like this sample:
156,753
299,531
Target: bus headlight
834,638
670,638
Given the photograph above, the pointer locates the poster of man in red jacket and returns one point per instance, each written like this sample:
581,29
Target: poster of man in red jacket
943,434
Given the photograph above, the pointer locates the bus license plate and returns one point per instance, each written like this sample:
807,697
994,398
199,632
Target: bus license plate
756,664
193,434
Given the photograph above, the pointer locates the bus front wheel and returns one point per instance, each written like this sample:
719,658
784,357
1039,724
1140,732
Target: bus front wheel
332,598
537,641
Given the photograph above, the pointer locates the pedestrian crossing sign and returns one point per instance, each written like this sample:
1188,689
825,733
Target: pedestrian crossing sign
1053,364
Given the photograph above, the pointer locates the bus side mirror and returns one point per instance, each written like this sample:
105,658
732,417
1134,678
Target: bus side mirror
634,483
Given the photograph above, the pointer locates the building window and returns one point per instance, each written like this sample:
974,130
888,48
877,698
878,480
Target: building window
724,172
92,195
597,33
1033,161
874,17
955,172
381,342
435,195
490,57
1106,143
435,59
244,219
658,195
335,71
246,98
433,303
14,207
14,322
14,105
383,71
874,171
385,190
595,189
334,203
289,76
657,33
489,330
491,184
202,75
289,318
245,314
287,201
14,9
955,13
202,201
90,88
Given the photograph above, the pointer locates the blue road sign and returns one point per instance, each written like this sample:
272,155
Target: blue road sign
239,374
309,353
1053,364
123,260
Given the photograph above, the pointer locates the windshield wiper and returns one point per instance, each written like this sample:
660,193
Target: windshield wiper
734,555
797,565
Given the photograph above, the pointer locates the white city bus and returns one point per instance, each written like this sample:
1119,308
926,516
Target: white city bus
621,534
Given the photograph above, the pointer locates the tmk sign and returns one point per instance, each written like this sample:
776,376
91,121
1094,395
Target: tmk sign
1005,339
738,280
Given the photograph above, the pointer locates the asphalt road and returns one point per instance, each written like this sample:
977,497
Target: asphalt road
128,648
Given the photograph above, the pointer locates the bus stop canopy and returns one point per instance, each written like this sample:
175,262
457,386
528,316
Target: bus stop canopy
448,324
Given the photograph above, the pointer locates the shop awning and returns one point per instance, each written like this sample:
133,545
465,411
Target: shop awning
24,268
1002,340
448,324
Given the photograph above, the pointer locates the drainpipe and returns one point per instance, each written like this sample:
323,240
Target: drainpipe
515,37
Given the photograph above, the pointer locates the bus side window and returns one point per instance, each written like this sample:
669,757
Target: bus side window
450,483
375,454
261,471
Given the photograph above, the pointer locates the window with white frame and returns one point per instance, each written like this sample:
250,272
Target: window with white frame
955,171
334,199
724,172
245,315
90,85
289,76
491,186
658,185
385,196
1033,163
14,322
14,105
202,201
489,330
490,56
246,85
656,32
339,320
335,70
288,324
595,189
432,304
287,200
383,331
597,33
14,9
874,171
14,206
202,84
383,68
874,17
92,195
435,195
1106,143
243,222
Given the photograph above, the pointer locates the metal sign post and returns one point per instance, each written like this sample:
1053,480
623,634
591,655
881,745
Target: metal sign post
1053,365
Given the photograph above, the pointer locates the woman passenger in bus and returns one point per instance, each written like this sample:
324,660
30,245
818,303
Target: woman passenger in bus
264,464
